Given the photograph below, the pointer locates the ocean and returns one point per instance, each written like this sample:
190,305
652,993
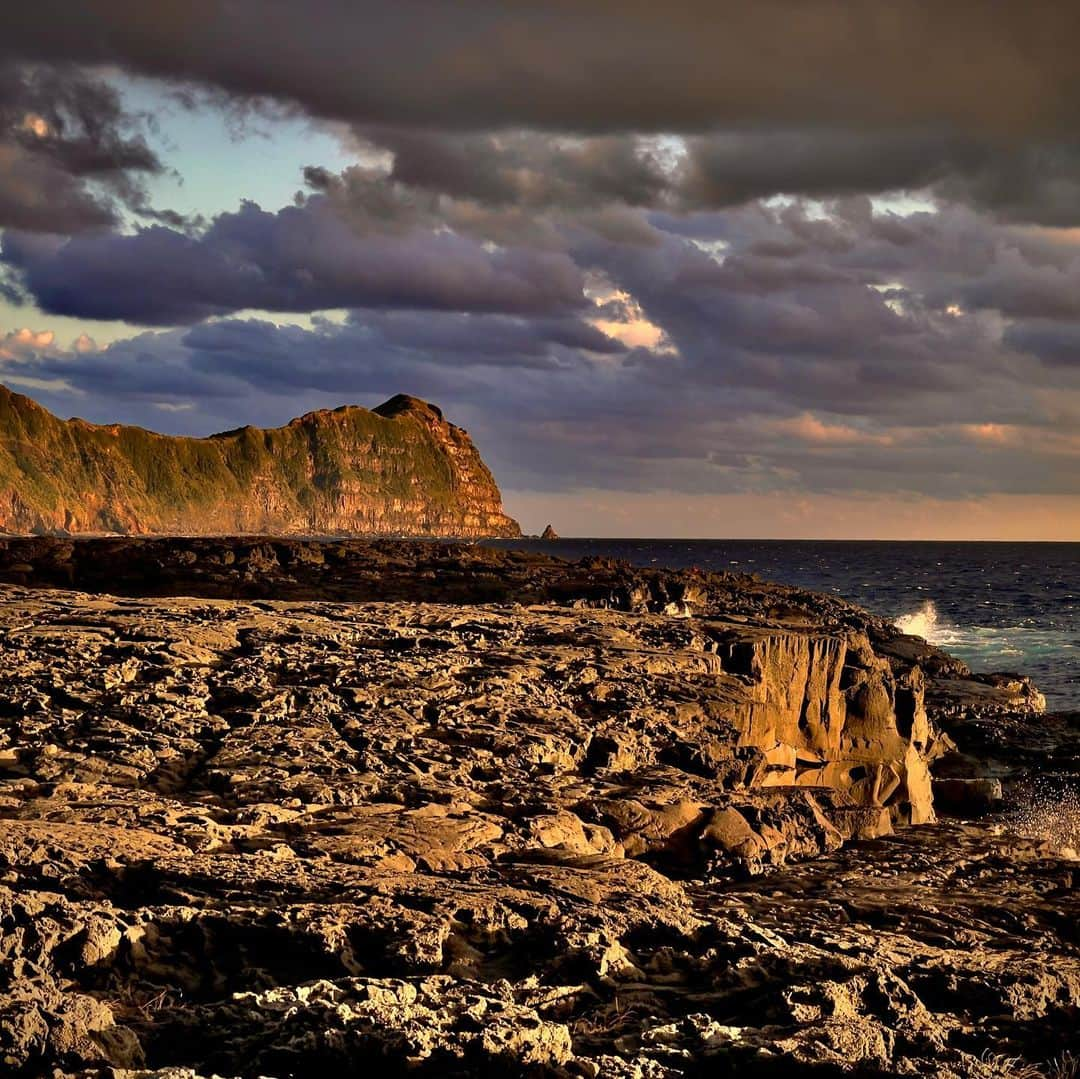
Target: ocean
998,606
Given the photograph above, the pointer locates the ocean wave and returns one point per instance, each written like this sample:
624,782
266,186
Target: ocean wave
921,623
1045,652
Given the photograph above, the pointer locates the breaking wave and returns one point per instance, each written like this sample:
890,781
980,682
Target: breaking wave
991,648
921,623
1045,652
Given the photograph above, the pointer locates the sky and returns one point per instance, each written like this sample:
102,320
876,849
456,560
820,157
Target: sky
799,268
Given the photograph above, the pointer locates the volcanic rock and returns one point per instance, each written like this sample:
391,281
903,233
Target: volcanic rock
511,816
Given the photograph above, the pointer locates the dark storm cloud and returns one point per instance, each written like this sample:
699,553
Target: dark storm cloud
1016,180
951,257
800,354
374,200
845,313
729,169
1020,288
35,194
526,168
380,340
967,99
303,258
86,130
1053,342
70,156
600,65
1037,182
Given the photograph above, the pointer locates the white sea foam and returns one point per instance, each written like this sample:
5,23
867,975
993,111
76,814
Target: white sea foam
1014,647
921,623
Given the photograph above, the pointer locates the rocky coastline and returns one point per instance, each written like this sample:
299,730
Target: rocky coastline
283,807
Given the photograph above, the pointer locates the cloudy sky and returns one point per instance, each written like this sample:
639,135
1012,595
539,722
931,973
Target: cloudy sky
795,268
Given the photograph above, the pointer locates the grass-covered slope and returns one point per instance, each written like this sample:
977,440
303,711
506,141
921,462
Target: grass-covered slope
400,469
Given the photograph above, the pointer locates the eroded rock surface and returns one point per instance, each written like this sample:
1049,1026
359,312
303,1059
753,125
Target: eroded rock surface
248,838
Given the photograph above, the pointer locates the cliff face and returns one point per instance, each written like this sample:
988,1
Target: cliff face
400,469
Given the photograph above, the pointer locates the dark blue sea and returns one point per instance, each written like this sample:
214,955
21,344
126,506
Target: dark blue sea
998,606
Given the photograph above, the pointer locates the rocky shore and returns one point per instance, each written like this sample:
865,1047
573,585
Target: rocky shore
295,808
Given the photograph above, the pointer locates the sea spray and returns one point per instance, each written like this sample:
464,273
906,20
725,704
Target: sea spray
1032,647
921,623
1048,811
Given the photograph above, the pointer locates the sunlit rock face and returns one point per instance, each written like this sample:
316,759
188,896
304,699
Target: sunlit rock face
829,712
467,811
736,728
401,469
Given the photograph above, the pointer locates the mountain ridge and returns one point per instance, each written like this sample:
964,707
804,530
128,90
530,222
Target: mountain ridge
399,469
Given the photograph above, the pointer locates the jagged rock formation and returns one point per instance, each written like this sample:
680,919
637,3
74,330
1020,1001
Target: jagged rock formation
609,833
398,470
407,747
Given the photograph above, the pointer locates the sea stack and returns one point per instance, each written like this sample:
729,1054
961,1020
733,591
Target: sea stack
549,533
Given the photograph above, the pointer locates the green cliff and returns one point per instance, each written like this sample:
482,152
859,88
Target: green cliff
400,469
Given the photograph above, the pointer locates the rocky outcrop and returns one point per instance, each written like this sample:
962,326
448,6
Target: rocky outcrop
508,816
997,733
398,470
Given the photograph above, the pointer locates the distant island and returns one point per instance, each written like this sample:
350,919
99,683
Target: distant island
400,469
